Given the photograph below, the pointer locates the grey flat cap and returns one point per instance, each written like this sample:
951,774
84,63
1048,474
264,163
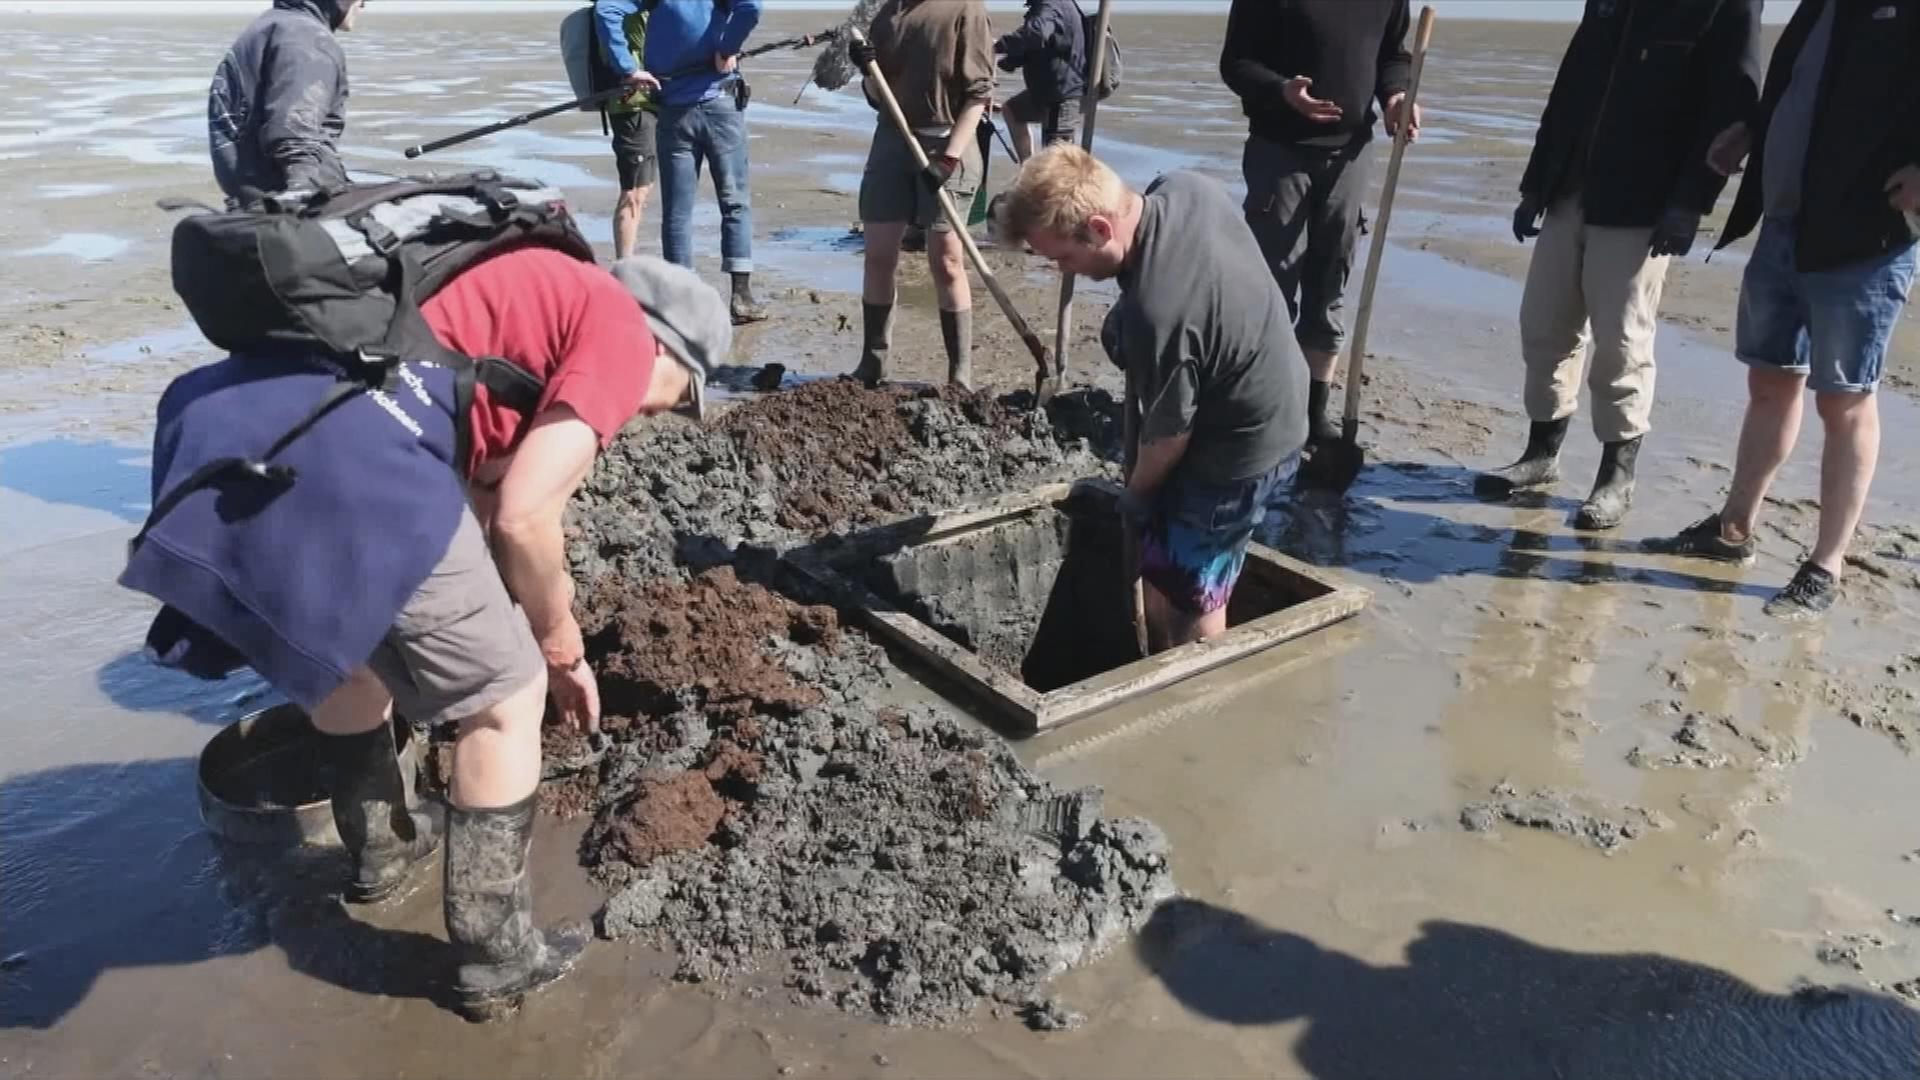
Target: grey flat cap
688,316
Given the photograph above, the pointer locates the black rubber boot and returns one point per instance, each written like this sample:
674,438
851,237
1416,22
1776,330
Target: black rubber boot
1321,428
956,331
384,837
489,899
1538,466
743,307
1612,488
876,332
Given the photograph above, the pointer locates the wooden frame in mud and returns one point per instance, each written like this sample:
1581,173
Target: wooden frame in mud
1320,600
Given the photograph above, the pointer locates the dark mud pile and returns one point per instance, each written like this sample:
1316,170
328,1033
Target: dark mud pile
761,814
757,806
825,457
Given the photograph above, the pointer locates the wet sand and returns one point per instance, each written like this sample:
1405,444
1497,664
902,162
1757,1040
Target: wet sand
1340,922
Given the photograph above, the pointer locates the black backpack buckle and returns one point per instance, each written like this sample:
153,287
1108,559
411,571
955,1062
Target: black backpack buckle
382,240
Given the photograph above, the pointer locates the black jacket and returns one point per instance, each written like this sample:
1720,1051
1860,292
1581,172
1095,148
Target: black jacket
1866,126
279,103
1355,51
1049,50
1643,89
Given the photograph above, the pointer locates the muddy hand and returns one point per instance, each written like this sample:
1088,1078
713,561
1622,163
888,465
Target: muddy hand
576,696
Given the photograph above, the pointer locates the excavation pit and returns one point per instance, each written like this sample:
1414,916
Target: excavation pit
1023,602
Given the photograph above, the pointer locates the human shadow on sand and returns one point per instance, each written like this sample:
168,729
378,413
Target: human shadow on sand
107,866
1474,1003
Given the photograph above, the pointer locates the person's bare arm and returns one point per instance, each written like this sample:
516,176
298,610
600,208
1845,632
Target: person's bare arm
529,546
1155,463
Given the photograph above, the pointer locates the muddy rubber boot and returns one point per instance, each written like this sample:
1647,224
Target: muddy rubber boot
956,331
384,837
1321,428
876,331
743,307
1539,464
1612,488
489,898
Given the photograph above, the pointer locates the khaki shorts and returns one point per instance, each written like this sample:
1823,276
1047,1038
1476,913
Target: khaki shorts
461,644
890,189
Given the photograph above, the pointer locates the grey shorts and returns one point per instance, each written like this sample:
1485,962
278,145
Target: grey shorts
1058,123
461,644
890,189
634,153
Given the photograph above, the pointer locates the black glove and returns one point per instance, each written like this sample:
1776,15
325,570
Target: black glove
1008,63
1526,219
1675,233
940,169
862,53
1134,507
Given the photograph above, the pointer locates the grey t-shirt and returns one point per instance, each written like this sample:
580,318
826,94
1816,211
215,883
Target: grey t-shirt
1791,129
1202,328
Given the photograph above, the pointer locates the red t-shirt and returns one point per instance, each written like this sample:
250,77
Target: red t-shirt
567,321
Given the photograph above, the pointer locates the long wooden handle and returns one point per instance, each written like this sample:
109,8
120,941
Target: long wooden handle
891,106
1089,111
1377,249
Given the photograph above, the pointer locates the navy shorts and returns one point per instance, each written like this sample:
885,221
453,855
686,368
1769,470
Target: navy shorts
1194,544
1832,326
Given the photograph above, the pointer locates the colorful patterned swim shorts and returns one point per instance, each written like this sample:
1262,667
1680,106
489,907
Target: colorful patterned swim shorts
1193,546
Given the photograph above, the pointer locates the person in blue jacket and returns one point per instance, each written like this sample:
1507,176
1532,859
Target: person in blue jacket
694,46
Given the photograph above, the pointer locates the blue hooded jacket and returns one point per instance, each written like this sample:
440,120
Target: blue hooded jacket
300,580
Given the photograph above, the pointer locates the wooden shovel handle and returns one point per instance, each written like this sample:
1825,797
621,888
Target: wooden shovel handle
1377,248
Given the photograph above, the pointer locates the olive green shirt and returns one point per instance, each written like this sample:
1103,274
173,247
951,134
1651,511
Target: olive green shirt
937,57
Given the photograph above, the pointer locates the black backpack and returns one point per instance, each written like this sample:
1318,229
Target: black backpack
344,271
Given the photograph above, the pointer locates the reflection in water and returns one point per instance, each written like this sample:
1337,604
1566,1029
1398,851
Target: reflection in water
1528,675
96,475
1472,1002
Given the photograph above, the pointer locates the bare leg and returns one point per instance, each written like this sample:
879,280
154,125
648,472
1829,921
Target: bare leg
1847,461
1767,435
882,260
1321,364
1168,626
496,755
357,707
947,259
1021,136
626,220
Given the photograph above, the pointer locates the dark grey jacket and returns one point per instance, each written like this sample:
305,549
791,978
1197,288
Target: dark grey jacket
279,103
1866,126
1644,87
1050,50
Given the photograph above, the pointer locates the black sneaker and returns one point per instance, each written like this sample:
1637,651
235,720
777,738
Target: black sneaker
1808,596
1702,540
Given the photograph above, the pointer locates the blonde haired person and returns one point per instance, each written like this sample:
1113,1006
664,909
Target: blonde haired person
1201,331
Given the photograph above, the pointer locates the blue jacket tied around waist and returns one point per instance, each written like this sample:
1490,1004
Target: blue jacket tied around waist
299,578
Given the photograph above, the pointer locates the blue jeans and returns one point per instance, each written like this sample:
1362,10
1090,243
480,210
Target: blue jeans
714,132
1833,326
